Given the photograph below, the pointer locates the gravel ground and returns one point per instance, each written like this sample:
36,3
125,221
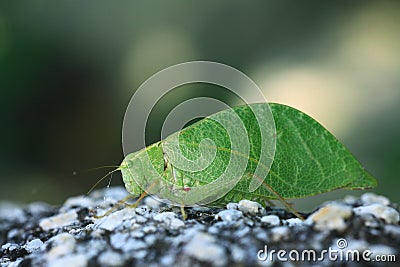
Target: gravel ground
155,234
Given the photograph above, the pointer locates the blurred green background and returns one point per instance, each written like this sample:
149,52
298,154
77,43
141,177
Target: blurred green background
69,68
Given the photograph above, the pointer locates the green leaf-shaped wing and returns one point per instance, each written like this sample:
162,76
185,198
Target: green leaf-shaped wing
187,166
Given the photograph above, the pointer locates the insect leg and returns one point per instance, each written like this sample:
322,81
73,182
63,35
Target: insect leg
284,202
120,203
184,215
123,201
134,205
175,181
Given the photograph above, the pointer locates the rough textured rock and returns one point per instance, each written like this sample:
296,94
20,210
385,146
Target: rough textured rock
155,234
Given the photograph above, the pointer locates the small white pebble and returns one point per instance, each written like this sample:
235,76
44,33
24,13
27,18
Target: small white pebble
229,215
169,218
92,248
115,219
59,220
77,260
62,244
11,212
33,245
13,233
278,233
10,246
330,217
140,219
294,222
127,224
164,216
261,235
200,208
126,243
176,223
237,253
78,201
167,260
232,206
242,232
149,229
142,210
134,244
249,207
140,254
388,214
150,239
371,198
152,202
118,240
8,263
213,230
203,247
349,199
271,220
110,258
137,234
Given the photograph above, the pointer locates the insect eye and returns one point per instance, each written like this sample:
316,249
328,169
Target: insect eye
126,164
129,163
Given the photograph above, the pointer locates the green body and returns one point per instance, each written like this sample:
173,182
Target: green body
308,161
